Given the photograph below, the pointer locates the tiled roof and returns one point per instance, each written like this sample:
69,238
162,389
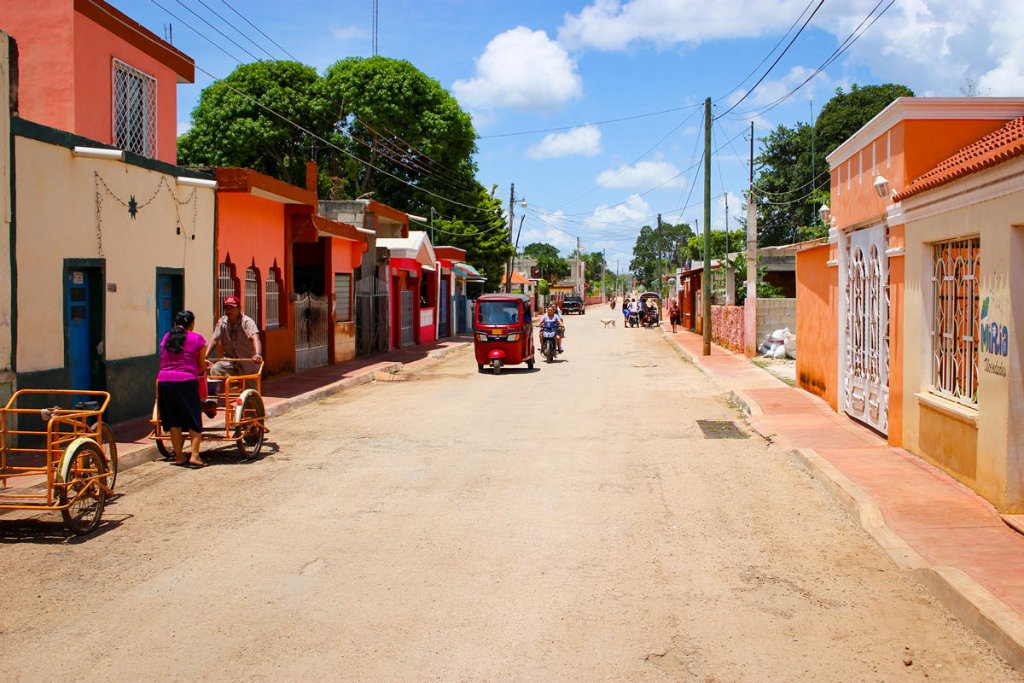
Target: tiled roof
517,279
995,148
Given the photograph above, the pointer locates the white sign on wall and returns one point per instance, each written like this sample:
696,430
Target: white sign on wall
426,317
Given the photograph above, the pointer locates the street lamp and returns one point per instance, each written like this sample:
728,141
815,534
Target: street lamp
825,213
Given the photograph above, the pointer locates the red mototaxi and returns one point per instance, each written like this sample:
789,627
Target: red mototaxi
503,331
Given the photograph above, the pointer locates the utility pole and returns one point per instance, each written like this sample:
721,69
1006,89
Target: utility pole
813,211
750,304
432,225
706,279
511,225
579,278
659,255
604,292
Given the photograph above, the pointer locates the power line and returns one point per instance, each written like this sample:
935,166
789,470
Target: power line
182,21
593,123
777,59
226,36
216,14
258,29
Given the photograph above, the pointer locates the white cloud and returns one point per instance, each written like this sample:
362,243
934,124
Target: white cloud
614,25
581,141
548,227
347,32
771,91
183,127
521,69
644,175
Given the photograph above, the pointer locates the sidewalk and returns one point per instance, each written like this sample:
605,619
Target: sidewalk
282,394
952,540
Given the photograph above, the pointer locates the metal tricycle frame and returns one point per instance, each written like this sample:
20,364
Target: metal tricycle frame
240,400
68,454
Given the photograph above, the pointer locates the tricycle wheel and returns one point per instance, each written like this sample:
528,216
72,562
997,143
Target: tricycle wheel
109,445
79,492
249,435
496,366
529,364
479,368
162,445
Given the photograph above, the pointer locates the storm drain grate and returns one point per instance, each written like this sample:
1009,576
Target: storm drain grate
720,429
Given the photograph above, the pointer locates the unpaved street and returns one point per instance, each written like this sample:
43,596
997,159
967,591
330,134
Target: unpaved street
569,523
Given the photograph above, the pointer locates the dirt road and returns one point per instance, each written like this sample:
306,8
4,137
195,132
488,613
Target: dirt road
569,523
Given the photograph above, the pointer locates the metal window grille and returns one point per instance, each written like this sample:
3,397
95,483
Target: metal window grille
134,110
342,297
225,285
252,294
955,312
272,292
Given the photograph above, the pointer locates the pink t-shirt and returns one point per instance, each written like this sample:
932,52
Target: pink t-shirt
183,366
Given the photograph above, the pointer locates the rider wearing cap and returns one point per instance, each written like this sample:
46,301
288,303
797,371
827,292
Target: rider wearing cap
238,337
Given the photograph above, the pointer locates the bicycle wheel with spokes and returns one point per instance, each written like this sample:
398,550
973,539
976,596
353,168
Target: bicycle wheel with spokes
79,492
249,432
109,445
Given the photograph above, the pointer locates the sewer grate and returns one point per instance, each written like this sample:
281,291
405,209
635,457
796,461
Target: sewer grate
720,429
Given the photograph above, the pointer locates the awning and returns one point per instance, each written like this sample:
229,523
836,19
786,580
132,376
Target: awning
467,271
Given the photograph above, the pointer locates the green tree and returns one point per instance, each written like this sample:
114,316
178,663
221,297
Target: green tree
404,136
661,247
792,173
550,265
719,238
485,240
594,267
231,128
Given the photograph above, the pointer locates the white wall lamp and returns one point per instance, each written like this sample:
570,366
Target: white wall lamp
197,182
882,188
99,153
825,213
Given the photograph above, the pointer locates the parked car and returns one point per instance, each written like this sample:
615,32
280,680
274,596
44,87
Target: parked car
573,304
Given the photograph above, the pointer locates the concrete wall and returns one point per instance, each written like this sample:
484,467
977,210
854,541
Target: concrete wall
70,207
817,326
775,314
983,445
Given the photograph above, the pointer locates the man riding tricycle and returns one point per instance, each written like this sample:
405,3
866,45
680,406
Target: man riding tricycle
503,331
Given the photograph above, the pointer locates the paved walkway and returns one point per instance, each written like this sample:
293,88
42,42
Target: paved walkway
953,540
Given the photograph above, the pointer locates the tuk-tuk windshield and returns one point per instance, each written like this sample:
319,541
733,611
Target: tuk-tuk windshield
498,312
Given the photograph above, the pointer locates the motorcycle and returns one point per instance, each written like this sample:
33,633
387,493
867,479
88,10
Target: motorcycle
549,342
632,319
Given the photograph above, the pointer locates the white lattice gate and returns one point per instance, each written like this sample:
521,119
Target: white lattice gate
407,320
865,349
312,324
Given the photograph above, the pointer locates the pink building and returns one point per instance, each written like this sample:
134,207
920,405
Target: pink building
86,68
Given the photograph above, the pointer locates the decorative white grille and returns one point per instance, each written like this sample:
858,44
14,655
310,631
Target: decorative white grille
134,110
956,314
252,294
225,285
272,291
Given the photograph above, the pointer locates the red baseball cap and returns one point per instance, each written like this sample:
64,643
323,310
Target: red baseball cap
231,301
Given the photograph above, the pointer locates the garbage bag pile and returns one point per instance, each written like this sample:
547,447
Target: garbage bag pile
779,344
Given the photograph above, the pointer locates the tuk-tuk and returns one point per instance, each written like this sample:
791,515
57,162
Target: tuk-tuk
503,331
650,309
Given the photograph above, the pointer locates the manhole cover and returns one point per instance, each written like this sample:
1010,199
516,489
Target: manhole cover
720,429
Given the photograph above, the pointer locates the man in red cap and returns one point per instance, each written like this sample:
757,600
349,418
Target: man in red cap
237,336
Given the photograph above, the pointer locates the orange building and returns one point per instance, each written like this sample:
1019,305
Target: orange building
86,68
291,268
888,312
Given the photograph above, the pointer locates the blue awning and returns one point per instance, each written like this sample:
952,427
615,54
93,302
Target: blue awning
467,271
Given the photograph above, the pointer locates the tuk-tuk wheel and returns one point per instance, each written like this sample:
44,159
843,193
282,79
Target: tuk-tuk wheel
479,368
529,364
496,366
80,496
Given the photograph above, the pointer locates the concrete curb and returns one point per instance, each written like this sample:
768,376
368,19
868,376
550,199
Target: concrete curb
970,602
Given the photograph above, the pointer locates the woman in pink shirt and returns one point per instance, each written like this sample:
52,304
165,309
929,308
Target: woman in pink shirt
182,362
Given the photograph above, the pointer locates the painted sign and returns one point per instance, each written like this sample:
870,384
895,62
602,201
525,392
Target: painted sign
995,335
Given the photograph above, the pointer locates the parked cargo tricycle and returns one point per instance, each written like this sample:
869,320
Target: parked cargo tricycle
238,398
54,455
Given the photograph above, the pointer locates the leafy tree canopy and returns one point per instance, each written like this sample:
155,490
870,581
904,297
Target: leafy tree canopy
659,247
485,240
231,128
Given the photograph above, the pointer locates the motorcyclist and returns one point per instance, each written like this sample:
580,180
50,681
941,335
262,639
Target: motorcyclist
552,319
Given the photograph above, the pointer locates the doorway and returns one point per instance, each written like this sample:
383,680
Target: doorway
170,298
83,324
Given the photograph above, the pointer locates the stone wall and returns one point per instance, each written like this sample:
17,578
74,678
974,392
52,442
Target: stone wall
727,327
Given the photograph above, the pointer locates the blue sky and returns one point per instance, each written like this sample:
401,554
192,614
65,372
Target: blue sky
570,69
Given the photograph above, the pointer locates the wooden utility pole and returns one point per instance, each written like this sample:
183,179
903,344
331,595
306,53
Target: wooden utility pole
706,279
750,304
511,226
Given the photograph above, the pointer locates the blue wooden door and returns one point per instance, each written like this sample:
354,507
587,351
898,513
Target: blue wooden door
169,300
77,320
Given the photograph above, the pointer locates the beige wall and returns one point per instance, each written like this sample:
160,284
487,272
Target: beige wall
65,210
979,447
5,213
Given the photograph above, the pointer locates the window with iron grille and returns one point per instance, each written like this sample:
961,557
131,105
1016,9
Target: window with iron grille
955,312
252,294
225,285
134,110
342,297
272,292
